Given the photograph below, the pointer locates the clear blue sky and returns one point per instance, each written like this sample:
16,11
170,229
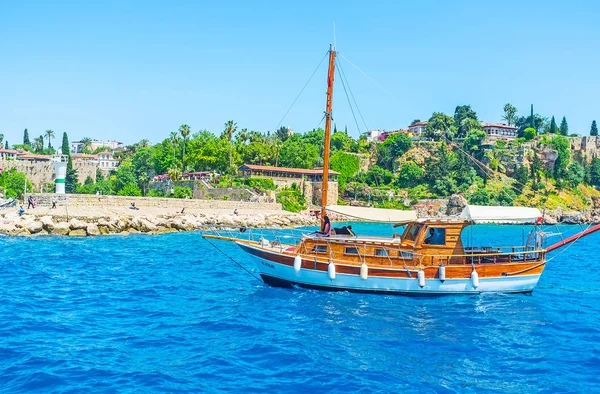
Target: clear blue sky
129,70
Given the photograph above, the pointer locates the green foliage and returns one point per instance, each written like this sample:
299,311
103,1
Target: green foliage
410,174
483,196
263,184
298,153
13,182
125,176
375,176
594,129
564,127
26,138
130,189
291,200
553,126
562,146
529,133
474,139
71,179
510,114
346,165
392,148
65,145
575,174
99,175
182,192
465,120
438,123
88,181
595,172
155,193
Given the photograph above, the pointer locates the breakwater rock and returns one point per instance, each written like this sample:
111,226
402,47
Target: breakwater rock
12,223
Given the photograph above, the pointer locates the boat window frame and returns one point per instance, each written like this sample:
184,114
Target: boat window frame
386,252
351,247
426,233
418,226
316,248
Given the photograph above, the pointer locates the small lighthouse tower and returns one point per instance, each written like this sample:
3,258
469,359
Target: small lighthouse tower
60,169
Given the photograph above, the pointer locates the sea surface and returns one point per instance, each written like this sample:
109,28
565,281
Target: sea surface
171,313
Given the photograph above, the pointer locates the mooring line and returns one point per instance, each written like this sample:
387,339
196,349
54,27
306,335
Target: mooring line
238,264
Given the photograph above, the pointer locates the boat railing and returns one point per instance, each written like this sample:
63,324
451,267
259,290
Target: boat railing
265,237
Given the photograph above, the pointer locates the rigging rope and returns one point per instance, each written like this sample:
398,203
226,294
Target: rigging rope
343,73
372,80
236,263
348,98
302,90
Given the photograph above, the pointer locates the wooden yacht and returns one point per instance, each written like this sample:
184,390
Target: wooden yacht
427,258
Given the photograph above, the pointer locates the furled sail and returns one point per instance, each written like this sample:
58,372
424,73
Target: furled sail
500,214
373,214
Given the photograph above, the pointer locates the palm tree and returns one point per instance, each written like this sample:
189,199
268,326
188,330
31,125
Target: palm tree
230,128
510,114
49,134
87,144
184,129
175,141
174,173
39,144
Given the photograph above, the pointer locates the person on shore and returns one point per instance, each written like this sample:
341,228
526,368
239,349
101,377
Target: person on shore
235,212
132,206
53,202
172,192
30,202
21,210
182,210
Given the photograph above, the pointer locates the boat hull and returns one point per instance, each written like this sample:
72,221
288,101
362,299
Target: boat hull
277,270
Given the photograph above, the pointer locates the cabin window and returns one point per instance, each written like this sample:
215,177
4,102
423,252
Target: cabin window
435,236
411,233
320,249
351,251
381,252
406,255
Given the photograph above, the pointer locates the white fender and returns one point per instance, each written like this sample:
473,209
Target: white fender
475,279
442,272
364,271
331,271
297,263
421,278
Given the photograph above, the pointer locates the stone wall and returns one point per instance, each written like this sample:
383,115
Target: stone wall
201,192
317,191
42,173
93,200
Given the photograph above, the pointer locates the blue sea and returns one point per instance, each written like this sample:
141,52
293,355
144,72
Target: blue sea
170,313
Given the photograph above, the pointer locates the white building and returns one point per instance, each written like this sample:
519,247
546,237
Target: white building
8,154
77,146
418,128
500,130
373,135
106,161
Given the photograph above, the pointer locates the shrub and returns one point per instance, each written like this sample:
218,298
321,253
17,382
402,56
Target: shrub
155,193
261,183
291,200
130,189
182,192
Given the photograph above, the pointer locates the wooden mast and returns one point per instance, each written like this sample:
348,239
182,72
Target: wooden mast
325,184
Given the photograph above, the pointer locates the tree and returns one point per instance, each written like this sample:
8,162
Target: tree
6,145
2,139
346,165
174,141
461,113
553,126
71,179
438,123
564,127
230,128
594,129
595,172
184,130
415,121
563,147
125,175
85,141
510,114
575,174
49,134
26,138
473,140
38,144
529,133
14,182
65,145
410,174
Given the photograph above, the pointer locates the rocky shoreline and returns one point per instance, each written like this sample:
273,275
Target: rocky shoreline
31,224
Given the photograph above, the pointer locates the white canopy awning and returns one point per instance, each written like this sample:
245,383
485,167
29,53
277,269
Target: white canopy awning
373,214
500,214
